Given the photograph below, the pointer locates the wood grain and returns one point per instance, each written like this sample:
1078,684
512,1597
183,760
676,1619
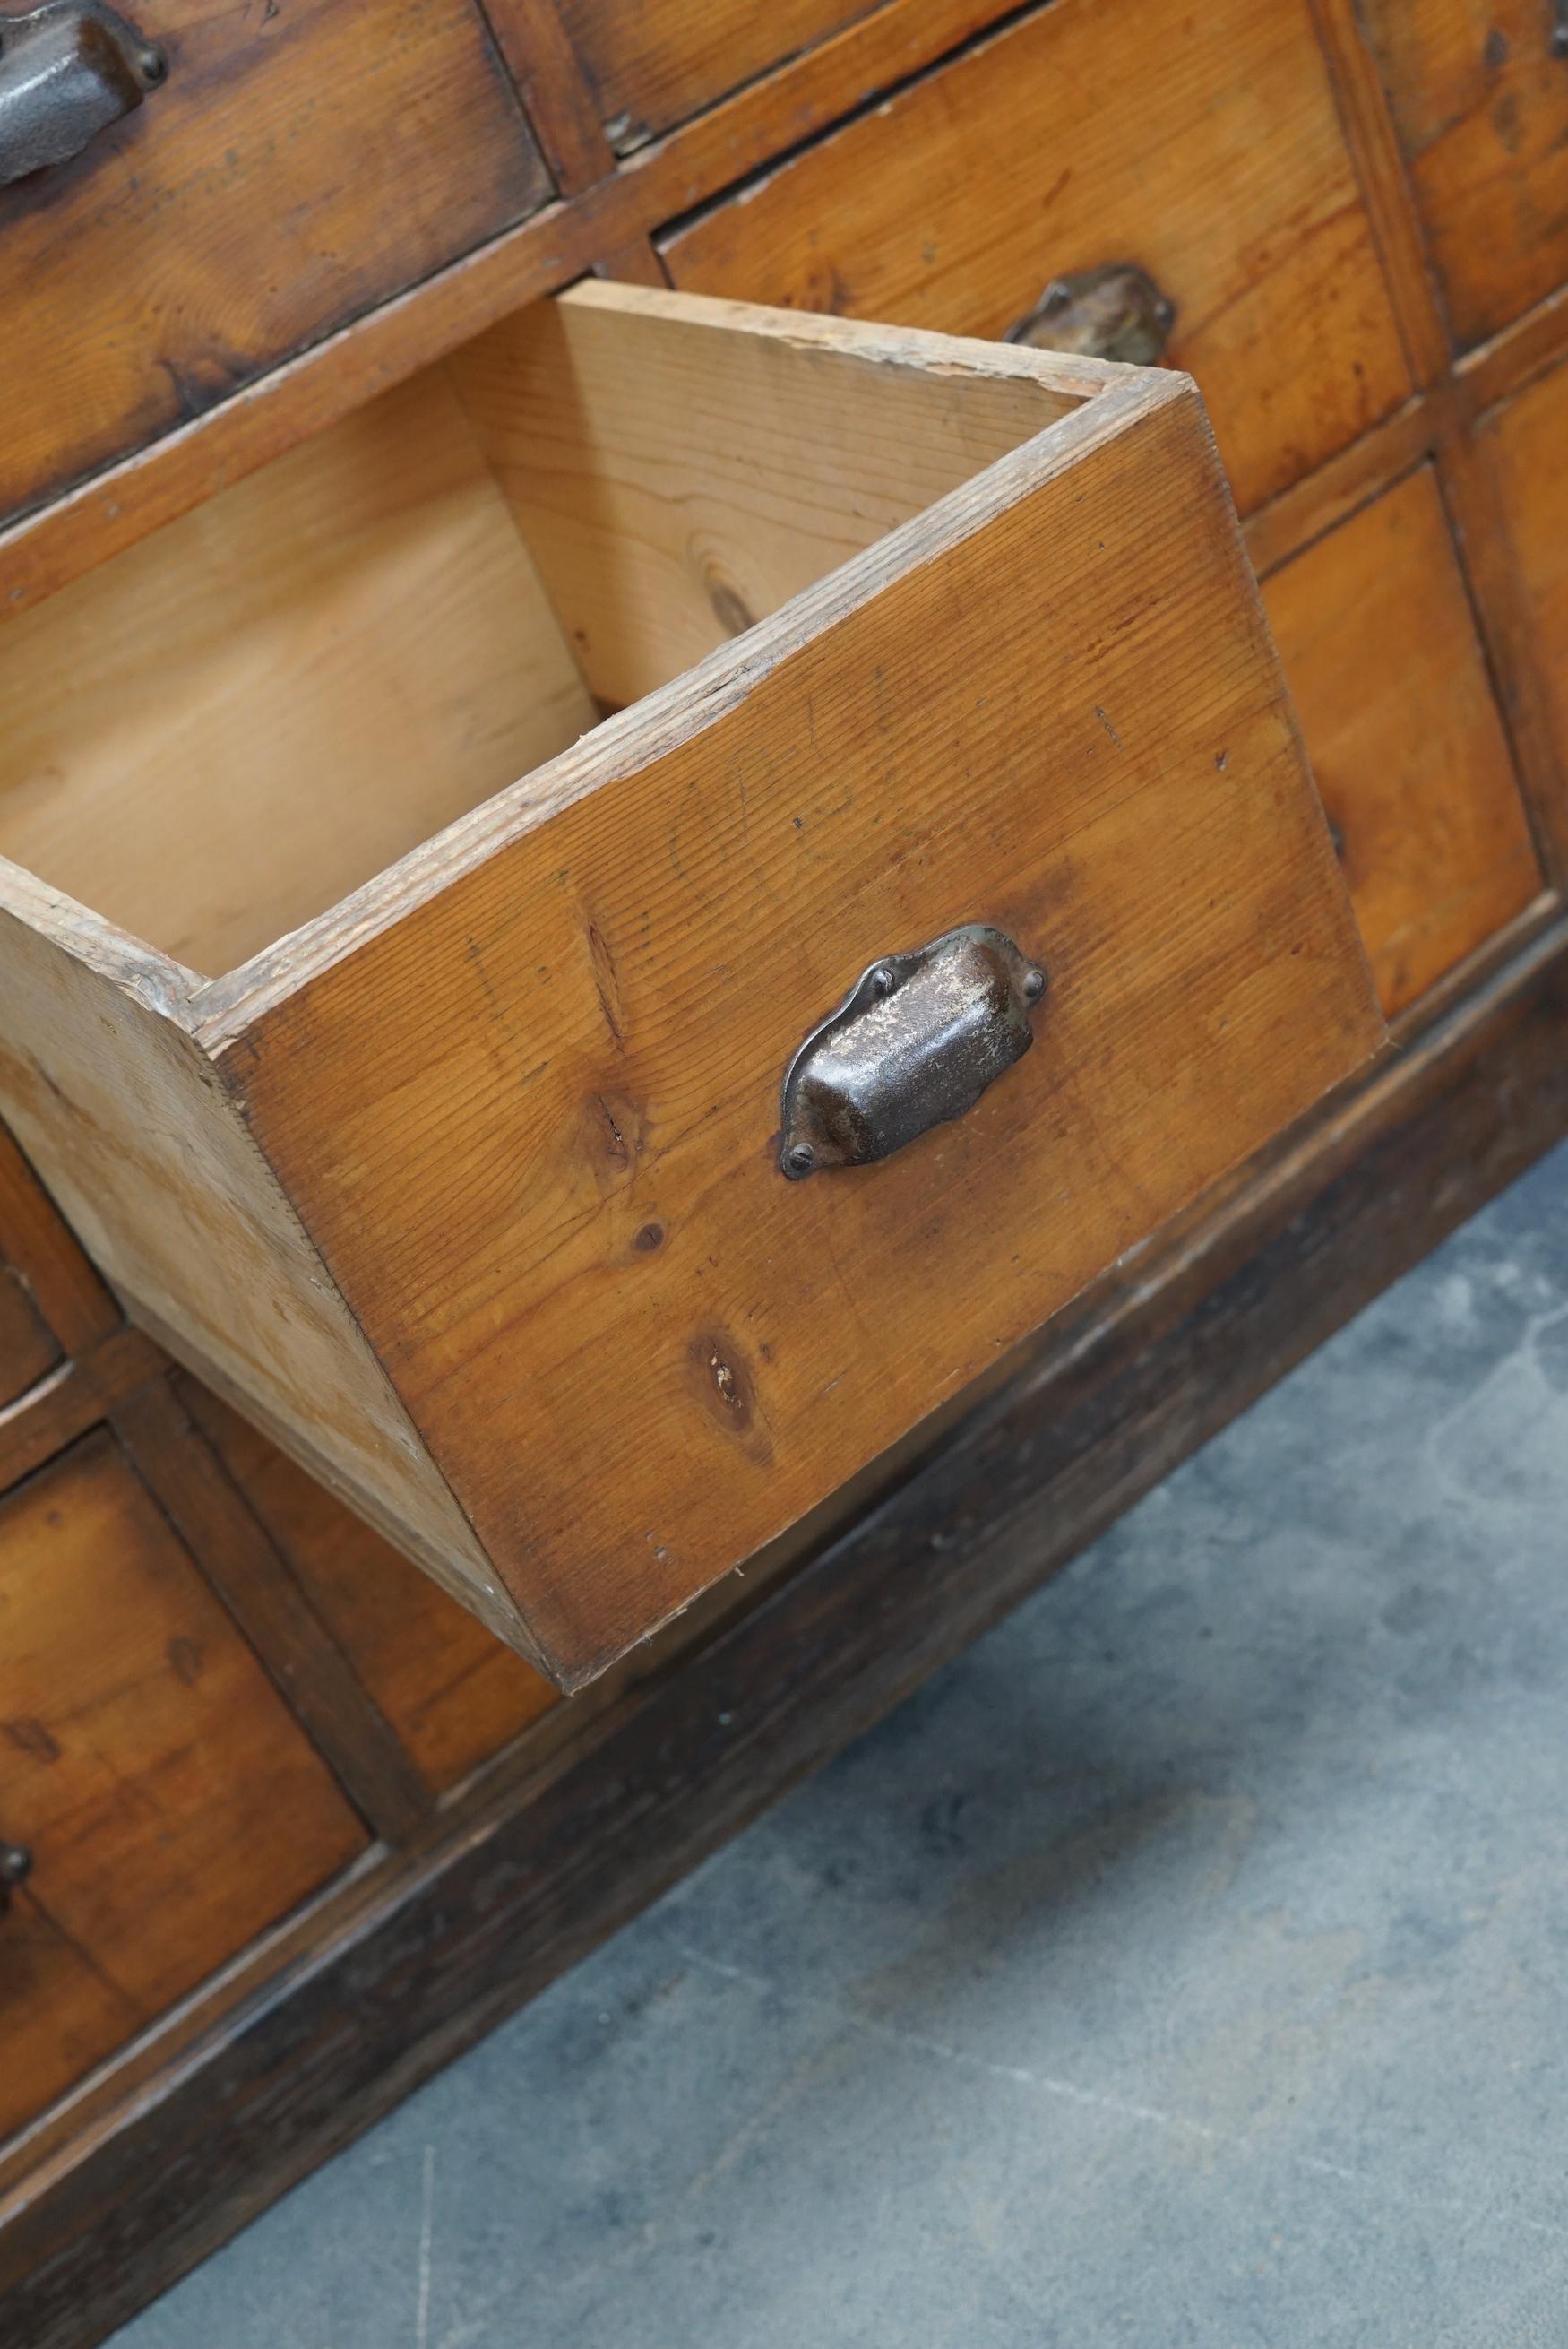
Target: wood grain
554,91
420,1959
680,467
27,1350
715,866
1379,651
235,724
1481,104
35,1239
652,66
252,1578
323,384
172,1806
1521,453
454,1694
109,1092
1059,144
216,230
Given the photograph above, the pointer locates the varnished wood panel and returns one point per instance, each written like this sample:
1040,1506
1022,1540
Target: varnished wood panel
1526,443
653,65
1205,145
301,162
172,1806
1380,654
1480,97
539,1156
452,1692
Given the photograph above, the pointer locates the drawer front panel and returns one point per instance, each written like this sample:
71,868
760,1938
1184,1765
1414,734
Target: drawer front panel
1527,440
533,1126
297,165
172,1806
1206,149
1479,93
1379,651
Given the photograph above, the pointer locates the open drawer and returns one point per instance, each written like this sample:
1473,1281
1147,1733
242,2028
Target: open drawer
856,677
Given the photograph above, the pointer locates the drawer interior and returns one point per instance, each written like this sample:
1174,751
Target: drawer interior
220,733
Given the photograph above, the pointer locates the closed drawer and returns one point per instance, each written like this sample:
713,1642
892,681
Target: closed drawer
169,1806
1201,145
1373,623
652,66
206,235
1479,94
475,1187
1524,441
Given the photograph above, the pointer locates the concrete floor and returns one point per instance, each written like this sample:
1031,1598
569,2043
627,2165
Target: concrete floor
1186,1964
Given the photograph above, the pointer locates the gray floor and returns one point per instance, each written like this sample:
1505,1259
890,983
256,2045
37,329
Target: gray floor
1186,1964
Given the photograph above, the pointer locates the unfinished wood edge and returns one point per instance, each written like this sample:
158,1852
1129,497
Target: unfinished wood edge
296,1442
148,976
919,350
228,1008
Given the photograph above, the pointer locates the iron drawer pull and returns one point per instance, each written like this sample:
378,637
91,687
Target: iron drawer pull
67,70
1114,312
916,1041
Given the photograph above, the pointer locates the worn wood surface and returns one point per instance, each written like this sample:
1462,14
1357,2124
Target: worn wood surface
1060,144
27,1349
215,231
224,730
1405,741
711,1351
652,66
172,1807
328,381
452,1692
110,1094
1482,103
439,1947
680,467
252,1578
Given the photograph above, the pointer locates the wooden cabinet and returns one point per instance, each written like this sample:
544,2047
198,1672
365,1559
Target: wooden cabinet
170,1806
1207,149
1480,92
1379,644
296,165
462,749
473,1186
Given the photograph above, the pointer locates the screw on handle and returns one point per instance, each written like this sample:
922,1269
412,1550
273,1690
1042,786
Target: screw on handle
15,1863
1113,312
67,70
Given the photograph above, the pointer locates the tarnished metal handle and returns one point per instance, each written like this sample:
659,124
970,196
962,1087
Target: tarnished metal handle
67,70
1114,312
14,1864
916,1040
